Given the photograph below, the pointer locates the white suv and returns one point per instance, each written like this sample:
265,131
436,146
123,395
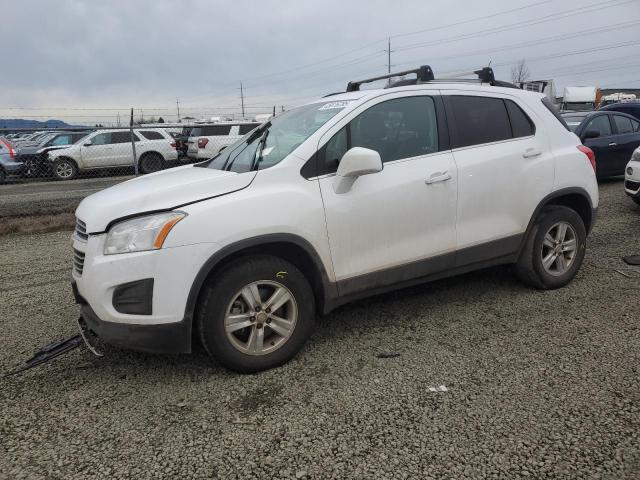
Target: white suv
206,141
113,148
348,196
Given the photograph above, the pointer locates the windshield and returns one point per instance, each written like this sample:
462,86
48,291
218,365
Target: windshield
579,106
273,141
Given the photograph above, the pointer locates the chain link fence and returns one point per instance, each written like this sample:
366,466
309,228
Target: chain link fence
45,173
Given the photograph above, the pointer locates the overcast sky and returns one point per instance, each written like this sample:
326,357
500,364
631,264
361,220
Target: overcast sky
62,56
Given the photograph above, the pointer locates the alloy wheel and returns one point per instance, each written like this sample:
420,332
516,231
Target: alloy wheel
261,317
559,248
64,170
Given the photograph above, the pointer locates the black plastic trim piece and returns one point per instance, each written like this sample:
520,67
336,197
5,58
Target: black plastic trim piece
497,252
329,289
134,298
156,338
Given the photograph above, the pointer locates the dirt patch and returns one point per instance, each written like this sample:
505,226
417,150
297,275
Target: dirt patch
54,222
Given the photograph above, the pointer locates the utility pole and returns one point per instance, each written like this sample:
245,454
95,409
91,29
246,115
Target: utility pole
133,143
242,99
389,51
178,108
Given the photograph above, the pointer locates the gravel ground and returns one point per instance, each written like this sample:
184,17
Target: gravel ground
539,384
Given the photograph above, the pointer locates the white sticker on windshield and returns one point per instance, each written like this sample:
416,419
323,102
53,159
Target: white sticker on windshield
266,151
333,105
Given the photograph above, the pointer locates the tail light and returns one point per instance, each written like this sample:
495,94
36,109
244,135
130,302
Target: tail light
173,144
590,155
202,142
12,153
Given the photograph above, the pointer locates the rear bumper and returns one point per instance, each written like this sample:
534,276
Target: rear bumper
158,338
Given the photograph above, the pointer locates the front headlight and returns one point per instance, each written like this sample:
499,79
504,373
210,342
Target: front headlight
141,233
636,155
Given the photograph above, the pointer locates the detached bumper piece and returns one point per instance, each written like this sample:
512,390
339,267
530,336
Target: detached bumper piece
156,338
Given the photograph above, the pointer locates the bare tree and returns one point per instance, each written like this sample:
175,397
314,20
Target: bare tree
520,72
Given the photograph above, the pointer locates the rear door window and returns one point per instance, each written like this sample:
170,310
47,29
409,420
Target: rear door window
151,135
479,120
122,137
623,124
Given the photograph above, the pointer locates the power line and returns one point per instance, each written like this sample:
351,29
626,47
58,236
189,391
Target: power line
526,23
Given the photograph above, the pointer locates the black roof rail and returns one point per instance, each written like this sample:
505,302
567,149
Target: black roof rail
424,74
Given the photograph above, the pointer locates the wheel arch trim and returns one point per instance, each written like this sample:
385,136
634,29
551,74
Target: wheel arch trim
329,289
555,195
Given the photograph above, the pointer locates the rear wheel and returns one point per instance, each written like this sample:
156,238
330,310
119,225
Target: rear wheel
151,162
64,169
256,314
554,249
3,176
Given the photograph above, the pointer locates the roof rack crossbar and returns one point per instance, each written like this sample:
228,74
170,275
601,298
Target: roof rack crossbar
424,74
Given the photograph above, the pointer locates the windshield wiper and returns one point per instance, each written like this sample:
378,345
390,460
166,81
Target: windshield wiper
258,158
258,131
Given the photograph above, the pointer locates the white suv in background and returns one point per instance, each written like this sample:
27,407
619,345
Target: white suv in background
113,148
205,141
347,196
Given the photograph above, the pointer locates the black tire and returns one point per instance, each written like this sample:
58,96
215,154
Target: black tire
64,169
636,200
151,162
530,268
218,295
3,176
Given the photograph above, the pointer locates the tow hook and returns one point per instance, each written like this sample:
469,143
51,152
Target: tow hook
60,347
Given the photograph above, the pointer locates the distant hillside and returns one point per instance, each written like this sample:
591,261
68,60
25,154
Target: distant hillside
22,123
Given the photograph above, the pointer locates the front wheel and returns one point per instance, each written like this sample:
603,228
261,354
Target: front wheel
554,249
64,169
636,200
256,314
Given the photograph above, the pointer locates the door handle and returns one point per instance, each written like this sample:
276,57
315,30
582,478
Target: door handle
531,152
613,144
438,177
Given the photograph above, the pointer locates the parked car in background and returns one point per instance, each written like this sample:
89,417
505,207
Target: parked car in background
35,156
611,135
113,148
206,141
9,164
630,108
344,197
632,177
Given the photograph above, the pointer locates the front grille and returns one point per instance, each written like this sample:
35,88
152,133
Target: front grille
78,261
630,185
81,230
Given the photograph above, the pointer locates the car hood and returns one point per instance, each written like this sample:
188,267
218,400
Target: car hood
158,191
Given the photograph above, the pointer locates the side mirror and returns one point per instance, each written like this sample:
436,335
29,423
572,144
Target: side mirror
88,143
590,134
356,162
